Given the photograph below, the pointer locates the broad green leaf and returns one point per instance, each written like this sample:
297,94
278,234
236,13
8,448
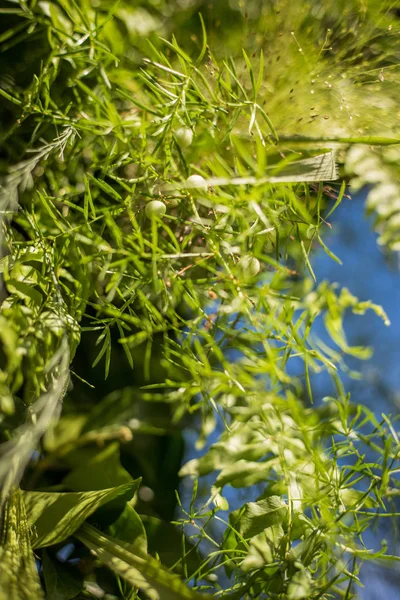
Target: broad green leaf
257,516
138,569
243,473
19,578
262,549
100,471
129,528
66,431
351,497
300,586
56,516
25,290
299,526
103,470
243,444
62,581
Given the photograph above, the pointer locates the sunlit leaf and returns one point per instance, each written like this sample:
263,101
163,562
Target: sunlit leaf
139,569
19,579
262,548
54,516
257,516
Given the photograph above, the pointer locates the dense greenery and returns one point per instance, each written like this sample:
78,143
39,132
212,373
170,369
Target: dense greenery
167,171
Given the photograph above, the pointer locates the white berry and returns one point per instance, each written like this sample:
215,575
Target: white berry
155,208
196,181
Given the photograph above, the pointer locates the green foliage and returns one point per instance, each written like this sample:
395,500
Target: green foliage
162,195
378,169
61,581
54,517
140,570
19,578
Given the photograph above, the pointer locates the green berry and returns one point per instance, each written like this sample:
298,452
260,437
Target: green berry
184,136
173,202
155,208
249,265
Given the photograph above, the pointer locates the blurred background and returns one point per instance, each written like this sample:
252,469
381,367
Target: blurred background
373,274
